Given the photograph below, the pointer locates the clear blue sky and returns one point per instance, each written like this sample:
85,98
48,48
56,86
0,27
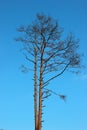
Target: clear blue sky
16,89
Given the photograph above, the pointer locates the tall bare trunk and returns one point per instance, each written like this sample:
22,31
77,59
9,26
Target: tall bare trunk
40,99
35,90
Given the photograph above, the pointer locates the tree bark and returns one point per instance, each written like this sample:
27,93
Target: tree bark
35,90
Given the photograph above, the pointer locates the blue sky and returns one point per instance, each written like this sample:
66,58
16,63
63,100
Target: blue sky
16,89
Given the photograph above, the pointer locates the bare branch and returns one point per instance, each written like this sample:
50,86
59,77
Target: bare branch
57,74
63,97
29,59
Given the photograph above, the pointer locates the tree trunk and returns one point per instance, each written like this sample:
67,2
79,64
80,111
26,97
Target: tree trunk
40,99
35,90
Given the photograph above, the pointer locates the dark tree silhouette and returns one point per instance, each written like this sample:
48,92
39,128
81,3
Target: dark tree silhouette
51,56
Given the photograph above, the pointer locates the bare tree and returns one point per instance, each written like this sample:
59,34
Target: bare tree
51,56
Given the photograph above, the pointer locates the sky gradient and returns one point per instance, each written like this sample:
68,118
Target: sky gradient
16,88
